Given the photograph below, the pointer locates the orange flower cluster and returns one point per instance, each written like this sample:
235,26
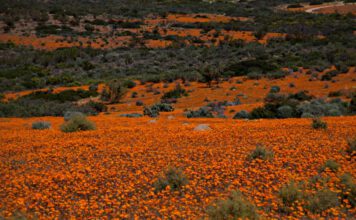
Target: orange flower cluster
109,173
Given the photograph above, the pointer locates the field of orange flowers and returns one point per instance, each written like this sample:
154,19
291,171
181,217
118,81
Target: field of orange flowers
109,173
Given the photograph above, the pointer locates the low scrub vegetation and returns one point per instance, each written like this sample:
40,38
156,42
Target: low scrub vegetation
322,200
317,123
154,110
331,165
77,123
236,206
41,125
172,177
260,152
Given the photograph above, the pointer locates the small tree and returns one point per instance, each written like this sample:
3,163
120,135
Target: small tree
211,73
116,91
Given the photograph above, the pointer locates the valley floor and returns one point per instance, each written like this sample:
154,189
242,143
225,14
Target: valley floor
109,172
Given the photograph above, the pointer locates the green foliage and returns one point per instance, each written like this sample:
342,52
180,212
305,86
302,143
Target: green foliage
275,89
261,152
349,189
176,93
203,112
41,125
352,105
241,114
25,107
77,123
331,164
322,200
129,84
236,206
351,149
70,114
116,91
285,111
63,96
154,110
172,177
290,193
317,123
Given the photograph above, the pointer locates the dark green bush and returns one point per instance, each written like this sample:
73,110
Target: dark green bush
41,125
154,110
322,200
176,93
275,89
317,123
203,112
351,149
172,177
77,123
261,152
64,96
236,206
348,189
129,84
241,114
330,164
25,107
290,193
70,114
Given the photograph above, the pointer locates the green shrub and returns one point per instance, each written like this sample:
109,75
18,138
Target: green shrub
261,112
203,112
129,84
172,177
261,153
275,89
24,107
290,193
348,189
154,110
77,123
139,103
241,114
331,164
116,91
295,6
317,123
63,96
98,106
150,111
307,115
351,149
322,200
285,111
176,93
70,114
236,206
41,125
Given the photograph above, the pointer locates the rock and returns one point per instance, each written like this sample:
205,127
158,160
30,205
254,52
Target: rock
171,117
202,127
152,121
